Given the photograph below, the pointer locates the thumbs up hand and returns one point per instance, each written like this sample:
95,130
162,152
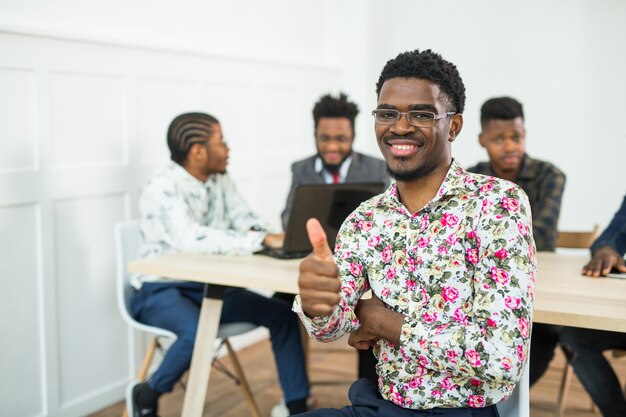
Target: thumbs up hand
319,277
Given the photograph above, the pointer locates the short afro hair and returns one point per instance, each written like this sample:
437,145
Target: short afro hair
329,106
502,108
430,66
186,130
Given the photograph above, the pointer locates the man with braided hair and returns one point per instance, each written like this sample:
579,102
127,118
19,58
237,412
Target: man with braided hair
192,205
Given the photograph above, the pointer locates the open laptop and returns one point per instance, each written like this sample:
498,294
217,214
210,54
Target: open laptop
330,204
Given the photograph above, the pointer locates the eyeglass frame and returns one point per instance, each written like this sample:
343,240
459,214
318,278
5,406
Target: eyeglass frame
406,114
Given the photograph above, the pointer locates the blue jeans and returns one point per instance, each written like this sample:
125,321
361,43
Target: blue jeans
367,402
176,307
593,370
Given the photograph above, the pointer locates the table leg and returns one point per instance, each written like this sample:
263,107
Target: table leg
200,368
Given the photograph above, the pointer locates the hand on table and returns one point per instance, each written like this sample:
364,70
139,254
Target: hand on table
604,260
319,277
274,240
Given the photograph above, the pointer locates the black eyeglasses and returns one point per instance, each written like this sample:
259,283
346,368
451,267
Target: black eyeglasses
417,118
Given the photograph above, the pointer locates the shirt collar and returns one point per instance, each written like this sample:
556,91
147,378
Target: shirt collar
453,183
188,181
343,169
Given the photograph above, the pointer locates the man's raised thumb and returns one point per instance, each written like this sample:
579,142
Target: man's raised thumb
317,237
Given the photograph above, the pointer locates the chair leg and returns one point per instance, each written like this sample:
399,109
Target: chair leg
563,390
245,387
145,365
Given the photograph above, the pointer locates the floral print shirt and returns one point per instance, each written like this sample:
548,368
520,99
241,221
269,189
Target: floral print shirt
461,270
179,213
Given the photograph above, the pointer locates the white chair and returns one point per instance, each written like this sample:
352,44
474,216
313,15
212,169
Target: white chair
518,404
127,239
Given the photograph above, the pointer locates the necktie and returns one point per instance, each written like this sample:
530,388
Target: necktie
336,177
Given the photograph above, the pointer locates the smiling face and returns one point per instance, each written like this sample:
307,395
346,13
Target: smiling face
333,138
505,143
413,153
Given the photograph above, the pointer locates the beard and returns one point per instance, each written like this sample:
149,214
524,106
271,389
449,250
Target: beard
415,174
333,168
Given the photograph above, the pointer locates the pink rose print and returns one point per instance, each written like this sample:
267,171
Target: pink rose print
449,293
523,326
512,302
373,241
391,273
345,254
447,384
491,322
410,284
415,383
506,363
422,242
451,355
473,357
429,317
510,204
386,292
476,401
459,316
523,229
442,250
471,234
472,256
521,355
449,220
501,253
396,398
366,226
386,254
452,239
436,393
355,269
499,275
410,264
487,187
425,222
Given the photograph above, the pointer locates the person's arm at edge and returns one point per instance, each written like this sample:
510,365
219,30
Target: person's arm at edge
608,250
546,218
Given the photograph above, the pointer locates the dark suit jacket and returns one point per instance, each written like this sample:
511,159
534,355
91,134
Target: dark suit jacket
362,169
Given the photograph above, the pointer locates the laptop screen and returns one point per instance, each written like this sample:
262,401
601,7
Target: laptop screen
330,204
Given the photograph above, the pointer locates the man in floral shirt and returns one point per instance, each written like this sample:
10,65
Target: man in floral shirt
449,257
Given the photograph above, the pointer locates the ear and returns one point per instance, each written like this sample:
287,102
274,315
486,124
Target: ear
456,124
196,152
482,140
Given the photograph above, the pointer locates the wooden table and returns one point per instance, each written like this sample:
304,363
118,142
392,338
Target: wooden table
563,296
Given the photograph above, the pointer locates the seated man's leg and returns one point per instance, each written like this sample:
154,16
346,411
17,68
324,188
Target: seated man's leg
592,368
542,344
175,307
243,305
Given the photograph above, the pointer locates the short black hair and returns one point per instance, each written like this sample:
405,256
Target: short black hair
329,106
502,108
430,66
185,130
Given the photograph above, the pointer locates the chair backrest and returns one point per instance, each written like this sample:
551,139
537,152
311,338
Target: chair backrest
518,404
577,239
127,239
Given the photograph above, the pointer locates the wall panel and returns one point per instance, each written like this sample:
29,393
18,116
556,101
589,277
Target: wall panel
20,312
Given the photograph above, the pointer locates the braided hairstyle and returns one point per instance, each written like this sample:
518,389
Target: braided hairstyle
186,130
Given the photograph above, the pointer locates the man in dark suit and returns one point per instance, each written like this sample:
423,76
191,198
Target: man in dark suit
335,161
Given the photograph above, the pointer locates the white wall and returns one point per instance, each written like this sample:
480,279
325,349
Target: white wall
564,60
87,90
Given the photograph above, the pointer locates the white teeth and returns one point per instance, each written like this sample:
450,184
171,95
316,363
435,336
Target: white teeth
403,147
